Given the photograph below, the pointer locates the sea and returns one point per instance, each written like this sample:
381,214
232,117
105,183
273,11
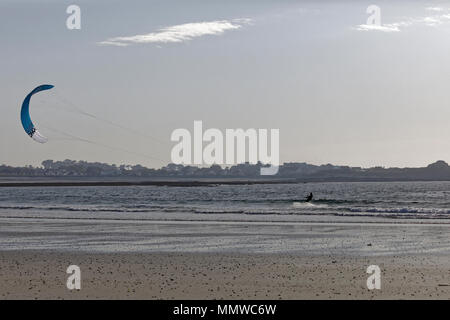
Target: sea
256,217
402,200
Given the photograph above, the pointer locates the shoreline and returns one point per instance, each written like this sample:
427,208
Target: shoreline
115,236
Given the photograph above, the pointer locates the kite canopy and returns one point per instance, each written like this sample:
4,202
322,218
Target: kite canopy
27,124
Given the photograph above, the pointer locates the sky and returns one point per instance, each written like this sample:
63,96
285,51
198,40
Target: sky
339,90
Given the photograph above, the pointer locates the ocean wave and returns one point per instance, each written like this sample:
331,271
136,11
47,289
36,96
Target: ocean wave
401,210
297,208
82,209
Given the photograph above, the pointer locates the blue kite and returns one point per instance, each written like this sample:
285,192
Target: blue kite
27,124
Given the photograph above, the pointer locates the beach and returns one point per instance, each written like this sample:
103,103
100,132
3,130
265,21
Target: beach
203,260
42,275
226,241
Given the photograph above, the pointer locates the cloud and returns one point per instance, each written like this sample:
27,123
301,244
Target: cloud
434,9
178,33
430,21
391,27
375,27
436,20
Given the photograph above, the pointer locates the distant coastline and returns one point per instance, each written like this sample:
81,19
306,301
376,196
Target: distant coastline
32,182
82,173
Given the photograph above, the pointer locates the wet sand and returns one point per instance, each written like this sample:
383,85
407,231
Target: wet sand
42,275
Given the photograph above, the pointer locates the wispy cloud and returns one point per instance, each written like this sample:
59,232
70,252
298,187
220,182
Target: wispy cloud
437,20
392,27
430,20
438,9
179,33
